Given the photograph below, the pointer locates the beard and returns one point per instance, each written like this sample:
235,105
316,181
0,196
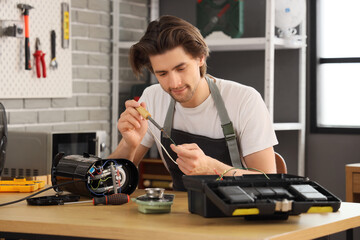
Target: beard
184,96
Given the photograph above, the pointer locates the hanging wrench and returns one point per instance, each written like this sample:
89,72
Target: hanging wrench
53,62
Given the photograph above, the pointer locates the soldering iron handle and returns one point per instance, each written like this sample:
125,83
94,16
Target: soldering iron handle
143,112
115,199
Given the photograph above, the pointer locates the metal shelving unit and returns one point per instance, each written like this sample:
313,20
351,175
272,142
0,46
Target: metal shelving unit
116,46
270,43
115,74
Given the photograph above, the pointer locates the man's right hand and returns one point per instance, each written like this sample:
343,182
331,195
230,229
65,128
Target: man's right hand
132,125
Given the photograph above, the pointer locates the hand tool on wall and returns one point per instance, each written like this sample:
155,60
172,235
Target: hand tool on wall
25,11
114,199
65,25
11,28
39,59
53,62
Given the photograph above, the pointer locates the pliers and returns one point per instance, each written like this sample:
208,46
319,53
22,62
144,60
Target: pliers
39,57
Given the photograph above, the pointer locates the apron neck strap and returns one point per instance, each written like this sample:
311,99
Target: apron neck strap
169,118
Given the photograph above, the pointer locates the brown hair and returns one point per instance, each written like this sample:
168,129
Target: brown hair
165,34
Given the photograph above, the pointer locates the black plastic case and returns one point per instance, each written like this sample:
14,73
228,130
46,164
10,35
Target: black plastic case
53,200
258,198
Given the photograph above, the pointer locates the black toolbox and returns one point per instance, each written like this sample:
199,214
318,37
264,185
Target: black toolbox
256,196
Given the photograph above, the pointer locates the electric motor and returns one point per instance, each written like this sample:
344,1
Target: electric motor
92,176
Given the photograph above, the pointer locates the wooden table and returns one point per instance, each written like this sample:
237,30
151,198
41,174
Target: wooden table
125,222
352,182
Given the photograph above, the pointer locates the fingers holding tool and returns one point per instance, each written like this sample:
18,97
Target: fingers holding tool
131,124
131,117
39,59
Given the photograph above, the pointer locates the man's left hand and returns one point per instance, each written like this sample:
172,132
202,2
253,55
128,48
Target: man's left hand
192,160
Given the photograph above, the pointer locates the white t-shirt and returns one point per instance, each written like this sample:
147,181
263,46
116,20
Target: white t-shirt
245,107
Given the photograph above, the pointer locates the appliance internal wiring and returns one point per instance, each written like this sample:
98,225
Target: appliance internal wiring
101,178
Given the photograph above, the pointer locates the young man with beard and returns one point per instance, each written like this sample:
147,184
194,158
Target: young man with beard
216,124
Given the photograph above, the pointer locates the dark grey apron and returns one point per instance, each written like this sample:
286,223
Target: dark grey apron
225,149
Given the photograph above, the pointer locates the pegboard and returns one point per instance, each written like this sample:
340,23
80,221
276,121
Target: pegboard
15,81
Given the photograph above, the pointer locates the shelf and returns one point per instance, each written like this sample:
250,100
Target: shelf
288,126
244,44
281,43
237,44
152,160
157,177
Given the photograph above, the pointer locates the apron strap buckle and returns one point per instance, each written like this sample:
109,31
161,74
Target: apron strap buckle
230,137
228,131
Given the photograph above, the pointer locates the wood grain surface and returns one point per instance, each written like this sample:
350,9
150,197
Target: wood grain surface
125,222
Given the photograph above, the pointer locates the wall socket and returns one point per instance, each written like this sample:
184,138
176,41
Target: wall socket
9,28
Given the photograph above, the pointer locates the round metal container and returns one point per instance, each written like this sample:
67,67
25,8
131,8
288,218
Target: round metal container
154,192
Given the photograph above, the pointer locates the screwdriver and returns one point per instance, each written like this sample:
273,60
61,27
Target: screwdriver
114,199
147,116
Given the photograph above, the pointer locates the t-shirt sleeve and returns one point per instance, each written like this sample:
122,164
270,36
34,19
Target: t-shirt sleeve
257,131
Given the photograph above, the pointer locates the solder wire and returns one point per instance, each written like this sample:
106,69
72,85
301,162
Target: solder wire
162,146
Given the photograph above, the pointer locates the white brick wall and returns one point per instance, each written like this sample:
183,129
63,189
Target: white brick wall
133,22
90,106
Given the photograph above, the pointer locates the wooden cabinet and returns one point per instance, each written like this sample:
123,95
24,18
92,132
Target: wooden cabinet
352,182
153,173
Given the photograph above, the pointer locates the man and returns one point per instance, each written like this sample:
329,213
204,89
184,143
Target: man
196,109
